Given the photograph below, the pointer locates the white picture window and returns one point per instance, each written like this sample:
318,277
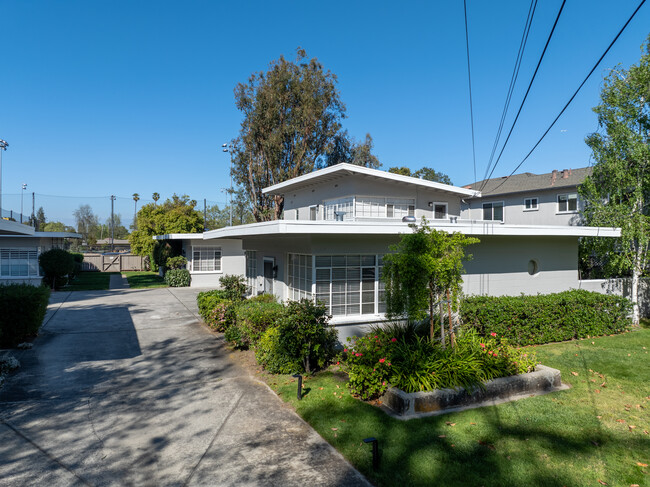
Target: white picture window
19,262
251,271
206,259
493,211
567,202
299,276
530,204
342,208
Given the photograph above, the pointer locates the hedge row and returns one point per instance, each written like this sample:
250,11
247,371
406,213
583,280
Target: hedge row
533,320
23,309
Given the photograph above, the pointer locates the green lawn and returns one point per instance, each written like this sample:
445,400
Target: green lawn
144,279
90,281
596,431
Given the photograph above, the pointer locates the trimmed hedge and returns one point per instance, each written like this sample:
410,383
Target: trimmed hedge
269,354
252,319
57,264
23,309
178,278
545,318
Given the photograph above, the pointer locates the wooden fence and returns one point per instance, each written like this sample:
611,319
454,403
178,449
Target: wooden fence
113,262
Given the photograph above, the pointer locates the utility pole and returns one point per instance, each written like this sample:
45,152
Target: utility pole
3,147
228,148
112,224
205,214
33,214
22,194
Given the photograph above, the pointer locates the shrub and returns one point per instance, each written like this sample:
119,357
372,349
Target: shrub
178,278
367,362
56,265
216,310
207,300
269,354
78,263
531,320
178,262
234,287
263,298
23,309
305,336
252,319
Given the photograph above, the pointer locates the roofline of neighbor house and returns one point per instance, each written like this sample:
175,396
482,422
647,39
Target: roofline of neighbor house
179,236
352,168
44,235
469,227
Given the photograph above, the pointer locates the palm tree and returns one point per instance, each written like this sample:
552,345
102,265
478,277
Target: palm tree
155,197
136,197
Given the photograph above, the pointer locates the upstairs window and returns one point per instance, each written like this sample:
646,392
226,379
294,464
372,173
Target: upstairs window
530,204
493,211
440,211
567,203
313,213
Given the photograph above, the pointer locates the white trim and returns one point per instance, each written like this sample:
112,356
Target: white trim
536,208
280,188
179,236
215,248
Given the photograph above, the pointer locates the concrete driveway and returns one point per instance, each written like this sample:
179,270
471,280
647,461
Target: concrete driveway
125,387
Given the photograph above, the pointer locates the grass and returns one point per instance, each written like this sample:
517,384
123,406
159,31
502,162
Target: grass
144,279
596,433
90,281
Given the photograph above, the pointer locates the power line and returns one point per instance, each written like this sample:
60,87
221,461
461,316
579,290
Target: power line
469,80
513,81
557,18
574,94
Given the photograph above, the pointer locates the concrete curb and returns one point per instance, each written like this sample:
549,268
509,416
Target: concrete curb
402,405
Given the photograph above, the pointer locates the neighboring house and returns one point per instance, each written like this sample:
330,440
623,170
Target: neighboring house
522,199
20,247
339,223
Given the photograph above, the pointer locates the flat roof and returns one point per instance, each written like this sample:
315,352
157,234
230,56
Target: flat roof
339,170
7,227
179,236
468,227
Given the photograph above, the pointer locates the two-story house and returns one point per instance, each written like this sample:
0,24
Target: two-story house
521,199
340,221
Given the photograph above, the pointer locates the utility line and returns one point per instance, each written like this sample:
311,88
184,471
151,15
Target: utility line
469,80
513,81
574,94
526,95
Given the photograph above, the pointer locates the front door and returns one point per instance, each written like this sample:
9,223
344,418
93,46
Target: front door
269,263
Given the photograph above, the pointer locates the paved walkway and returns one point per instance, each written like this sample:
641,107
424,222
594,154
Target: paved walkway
118,281
125,387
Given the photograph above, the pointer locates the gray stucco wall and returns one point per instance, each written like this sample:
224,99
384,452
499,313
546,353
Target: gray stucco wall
515,213
359,185
232,261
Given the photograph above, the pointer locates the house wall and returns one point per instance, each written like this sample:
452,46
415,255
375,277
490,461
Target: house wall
42,244
232,261
514,211
358,185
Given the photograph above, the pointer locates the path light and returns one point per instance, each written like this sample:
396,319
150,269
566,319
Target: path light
299,377
375,451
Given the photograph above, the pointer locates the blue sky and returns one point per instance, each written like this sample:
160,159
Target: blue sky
101,98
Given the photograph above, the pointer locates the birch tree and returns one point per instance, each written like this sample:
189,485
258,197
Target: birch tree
617,194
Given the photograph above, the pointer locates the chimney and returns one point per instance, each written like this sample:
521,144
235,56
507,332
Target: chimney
553,176
565,174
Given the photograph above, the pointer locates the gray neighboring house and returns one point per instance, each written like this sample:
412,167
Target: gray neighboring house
20,246
340,221
523,199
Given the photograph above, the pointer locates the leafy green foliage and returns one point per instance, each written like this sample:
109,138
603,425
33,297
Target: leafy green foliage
207,300
425,173
233,286
178,278
617,192
270,355
175,215
216,310
177,262
57,264
291,114
306,336
87,224
23,309
413,363
252,319
529,320
345,149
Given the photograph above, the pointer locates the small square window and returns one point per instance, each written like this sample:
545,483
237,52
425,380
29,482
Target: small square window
493,211
439,211
530,204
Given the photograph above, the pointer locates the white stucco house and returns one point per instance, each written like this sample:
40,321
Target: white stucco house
340,221
20,246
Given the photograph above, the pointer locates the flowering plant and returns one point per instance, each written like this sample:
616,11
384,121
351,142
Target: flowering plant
367,362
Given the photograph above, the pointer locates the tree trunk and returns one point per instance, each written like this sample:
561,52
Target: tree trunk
636,278
431,316
451,329
279,206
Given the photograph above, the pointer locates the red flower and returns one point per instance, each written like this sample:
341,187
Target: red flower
482,345
376,336
345,349
357,355
393,340
388,364
493,334
383,383
382,360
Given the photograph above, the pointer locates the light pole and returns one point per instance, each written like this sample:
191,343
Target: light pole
3,146
112,224
228,148
22,194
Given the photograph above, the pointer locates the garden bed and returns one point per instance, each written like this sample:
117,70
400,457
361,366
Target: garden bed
404,405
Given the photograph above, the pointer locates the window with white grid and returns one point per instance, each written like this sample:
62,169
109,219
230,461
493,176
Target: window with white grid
370,207
251,270
342,206
299,276
19,263
399,208
349,284
206,259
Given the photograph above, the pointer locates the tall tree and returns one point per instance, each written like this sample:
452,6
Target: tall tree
175,215
57,227
136,198
346,149
427,173
617,194
291,114
424,268
40,219
87,223
156,197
